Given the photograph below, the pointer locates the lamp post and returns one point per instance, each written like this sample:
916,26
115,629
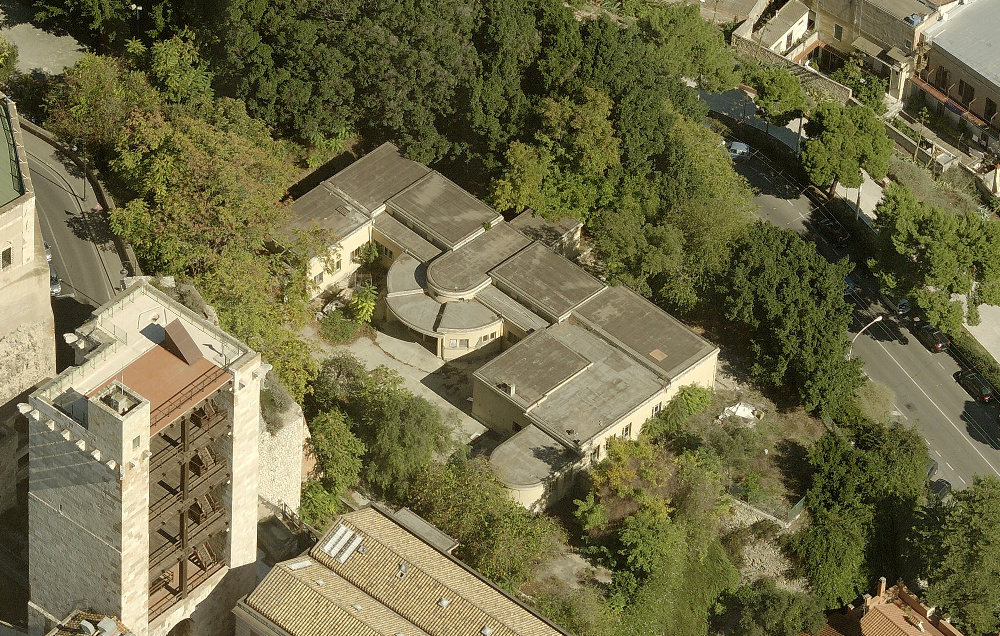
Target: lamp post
83,156
877,318
137,8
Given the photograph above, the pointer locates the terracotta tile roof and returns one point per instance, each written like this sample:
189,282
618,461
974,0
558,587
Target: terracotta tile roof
890,620
840,625
402,584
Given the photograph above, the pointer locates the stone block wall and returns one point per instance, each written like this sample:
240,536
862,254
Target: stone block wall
8,468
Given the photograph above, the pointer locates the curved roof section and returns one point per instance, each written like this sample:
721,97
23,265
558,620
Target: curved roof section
529,458
464,270
465,315
417,311
406,275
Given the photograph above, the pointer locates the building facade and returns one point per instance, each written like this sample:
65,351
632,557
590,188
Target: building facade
142,496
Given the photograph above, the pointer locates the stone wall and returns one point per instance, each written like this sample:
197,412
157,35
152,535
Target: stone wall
8,468
747,48
281,455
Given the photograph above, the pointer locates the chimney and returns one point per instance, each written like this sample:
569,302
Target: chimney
510,388
881,588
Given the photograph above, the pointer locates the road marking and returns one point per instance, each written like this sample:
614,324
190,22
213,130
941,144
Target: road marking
899,412
950,467
942,366
964,483
938,453
943,414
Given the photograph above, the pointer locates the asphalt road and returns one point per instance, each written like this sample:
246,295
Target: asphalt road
962,434
73,232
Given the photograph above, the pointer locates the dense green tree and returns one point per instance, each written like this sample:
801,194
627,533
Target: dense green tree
690,400
571,169
779,93
176,68
496,535
933,254
832,550
960,553
767,610
363,302
771,270
402,432
843,142
866,87
338,451
287,59
8,60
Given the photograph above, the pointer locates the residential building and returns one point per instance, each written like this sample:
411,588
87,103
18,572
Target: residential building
893,611
578,361
376,573
962,76
887,34
788,26
142,493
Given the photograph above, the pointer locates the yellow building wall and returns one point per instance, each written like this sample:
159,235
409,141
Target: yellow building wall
342,250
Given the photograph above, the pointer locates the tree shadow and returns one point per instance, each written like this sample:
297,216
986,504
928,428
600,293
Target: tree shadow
793,462
322,173
981,424
92,225
69,313
16,12
767,180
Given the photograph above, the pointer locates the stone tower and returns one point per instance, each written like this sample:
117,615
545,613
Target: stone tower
142,497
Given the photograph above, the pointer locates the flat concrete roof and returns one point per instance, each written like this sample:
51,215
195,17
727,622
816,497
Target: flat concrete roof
406,275
464,315
444,212
784,19
323,207
588,384
417,311
533,368
377,176
903,8
608,390
647,332
529,457
970,35
464,269
538,228
511,310
411,242
549,282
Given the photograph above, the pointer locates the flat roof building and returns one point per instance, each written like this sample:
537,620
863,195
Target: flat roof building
578,361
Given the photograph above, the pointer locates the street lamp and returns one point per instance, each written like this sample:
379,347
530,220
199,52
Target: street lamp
83,156
137,8
877,318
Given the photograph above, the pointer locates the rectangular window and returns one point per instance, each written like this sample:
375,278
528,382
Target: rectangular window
135,443
356,254
607,442
453,344
463,343
966,92
788,41
627,431
838,32
318,278
595,455
990,111
656,408
6,259
336,264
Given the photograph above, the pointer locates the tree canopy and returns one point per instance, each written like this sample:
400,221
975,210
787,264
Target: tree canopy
844,140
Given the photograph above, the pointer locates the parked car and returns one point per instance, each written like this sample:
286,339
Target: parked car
932,338
941,488
899,306
738,151
976,385
833,232
55,285
48,252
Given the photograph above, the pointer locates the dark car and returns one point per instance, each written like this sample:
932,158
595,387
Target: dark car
899,306
851,286
941,488
976,385
932,338
833,232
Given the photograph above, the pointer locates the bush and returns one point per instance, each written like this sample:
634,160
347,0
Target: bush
337,328
318,505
